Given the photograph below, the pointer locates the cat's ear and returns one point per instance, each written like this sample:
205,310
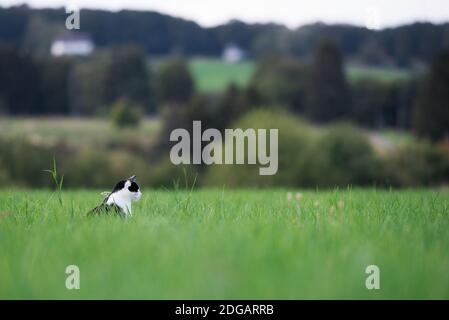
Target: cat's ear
132,178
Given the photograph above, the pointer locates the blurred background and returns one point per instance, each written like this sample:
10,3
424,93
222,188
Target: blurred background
359,92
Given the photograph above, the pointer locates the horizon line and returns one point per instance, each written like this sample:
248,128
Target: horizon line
206,26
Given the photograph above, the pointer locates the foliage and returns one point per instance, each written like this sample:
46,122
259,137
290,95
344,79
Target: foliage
23,161
380,104
231,105
128,77
54,86
57,179
295,141
124,114
106,76
102,169
343,156
18,78
419,164
97,154
87,85
328,97
161,34
213,112
282,81
174,82
432,112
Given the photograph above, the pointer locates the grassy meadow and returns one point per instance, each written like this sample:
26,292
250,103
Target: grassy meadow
77,131
382,74
94,133
213,75
222,244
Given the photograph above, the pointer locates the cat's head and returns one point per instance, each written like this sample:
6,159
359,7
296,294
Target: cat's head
128,188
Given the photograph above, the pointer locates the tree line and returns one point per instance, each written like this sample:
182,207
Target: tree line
315,88
160,34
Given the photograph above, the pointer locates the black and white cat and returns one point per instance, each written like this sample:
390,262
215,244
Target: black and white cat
120,199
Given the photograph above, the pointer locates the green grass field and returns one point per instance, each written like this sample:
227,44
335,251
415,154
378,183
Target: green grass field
356,73
220,244
77,131
213,75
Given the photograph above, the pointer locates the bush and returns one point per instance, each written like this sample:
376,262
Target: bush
102,168
23,163
123,114
296,139
166,175
419,164
343,156
4,177
340,156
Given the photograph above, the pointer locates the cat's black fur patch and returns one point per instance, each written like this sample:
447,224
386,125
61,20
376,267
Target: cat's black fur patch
119,186
133,187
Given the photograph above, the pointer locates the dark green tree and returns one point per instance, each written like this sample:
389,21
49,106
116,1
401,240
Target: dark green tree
19,76
174,83
128,77
124,114
54,76
87,88
281,81
232,104
432,110
328,95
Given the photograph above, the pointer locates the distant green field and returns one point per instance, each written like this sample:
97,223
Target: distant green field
83,132
220,244
76,131
356,73
213,75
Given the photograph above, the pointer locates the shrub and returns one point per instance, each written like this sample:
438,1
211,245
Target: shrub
296,138
102,168
343,156
419,164
23,162
165,174
4,177
340,156
123,114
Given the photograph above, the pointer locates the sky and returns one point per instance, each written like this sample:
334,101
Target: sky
374,14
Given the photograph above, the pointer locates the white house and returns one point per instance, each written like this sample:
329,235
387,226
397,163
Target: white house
72,44
232,53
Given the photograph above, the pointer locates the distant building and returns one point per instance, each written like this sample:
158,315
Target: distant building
72,44
232,53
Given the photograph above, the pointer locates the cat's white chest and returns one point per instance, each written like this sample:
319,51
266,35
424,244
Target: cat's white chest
121,201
